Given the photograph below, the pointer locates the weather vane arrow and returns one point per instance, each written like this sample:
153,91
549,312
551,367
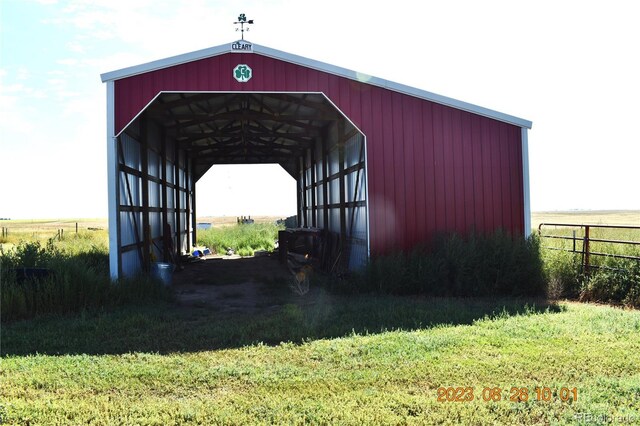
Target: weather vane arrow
242,20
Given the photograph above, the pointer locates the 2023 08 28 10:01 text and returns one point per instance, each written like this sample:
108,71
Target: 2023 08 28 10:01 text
513,394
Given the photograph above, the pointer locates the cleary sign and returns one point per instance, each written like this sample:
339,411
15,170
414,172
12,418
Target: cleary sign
241,46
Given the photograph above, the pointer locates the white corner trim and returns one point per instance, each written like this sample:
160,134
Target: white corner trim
112,182
525,180
320,66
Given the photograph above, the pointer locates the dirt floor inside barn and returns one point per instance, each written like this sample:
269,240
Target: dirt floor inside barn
240,284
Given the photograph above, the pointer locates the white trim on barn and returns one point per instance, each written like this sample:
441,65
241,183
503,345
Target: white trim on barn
366,174
113,178
320,66
525,181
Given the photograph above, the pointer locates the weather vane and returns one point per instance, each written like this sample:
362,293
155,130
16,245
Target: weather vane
242,20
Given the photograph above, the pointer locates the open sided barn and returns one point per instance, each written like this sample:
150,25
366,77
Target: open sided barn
381,165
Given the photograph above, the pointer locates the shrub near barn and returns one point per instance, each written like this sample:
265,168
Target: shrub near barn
479,265
73,275
612,274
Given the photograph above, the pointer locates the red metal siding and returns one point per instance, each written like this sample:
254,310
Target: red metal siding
431,168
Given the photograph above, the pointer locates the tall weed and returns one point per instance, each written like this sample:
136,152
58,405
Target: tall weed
36,279
479,265
609,279
242,239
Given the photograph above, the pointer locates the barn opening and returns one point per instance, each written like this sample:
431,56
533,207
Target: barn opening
229,191
179,136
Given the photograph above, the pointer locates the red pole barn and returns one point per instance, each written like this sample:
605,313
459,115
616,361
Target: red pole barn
380,165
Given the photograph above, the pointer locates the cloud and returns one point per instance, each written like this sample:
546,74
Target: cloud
72,62
12,120
76,47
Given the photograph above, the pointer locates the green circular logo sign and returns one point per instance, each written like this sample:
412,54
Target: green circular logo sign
242,73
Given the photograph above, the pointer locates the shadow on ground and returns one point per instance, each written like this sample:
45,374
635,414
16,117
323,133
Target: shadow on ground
233,303
234,284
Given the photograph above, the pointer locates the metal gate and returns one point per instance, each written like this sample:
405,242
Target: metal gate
580,240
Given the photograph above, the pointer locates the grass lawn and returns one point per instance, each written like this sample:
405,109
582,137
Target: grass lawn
361,360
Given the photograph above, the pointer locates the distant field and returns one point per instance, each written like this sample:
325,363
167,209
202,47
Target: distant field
232,220
14,231
44,225
591,217
45,228
42,229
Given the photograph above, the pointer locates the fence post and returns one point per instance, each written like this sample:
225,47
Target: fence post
586,250
76,228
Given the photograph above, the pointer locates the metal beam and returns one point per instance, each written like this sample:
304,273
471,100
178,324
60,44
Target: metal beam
176,194
325,174
343,197
146,228
314,210
305,201
166,256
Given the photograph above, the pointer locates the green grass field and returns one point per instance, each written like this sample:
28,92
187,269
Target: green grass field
364,359
373,360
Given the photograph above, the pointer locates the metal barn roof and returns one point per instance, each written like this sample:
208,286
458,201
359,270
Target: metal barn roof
248,47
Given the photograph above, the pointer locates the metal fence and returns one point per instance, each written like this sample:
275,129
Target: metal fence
46,229
583,243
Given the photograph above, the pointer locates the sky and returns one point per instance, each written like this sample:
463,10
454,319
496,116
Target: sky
571,67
